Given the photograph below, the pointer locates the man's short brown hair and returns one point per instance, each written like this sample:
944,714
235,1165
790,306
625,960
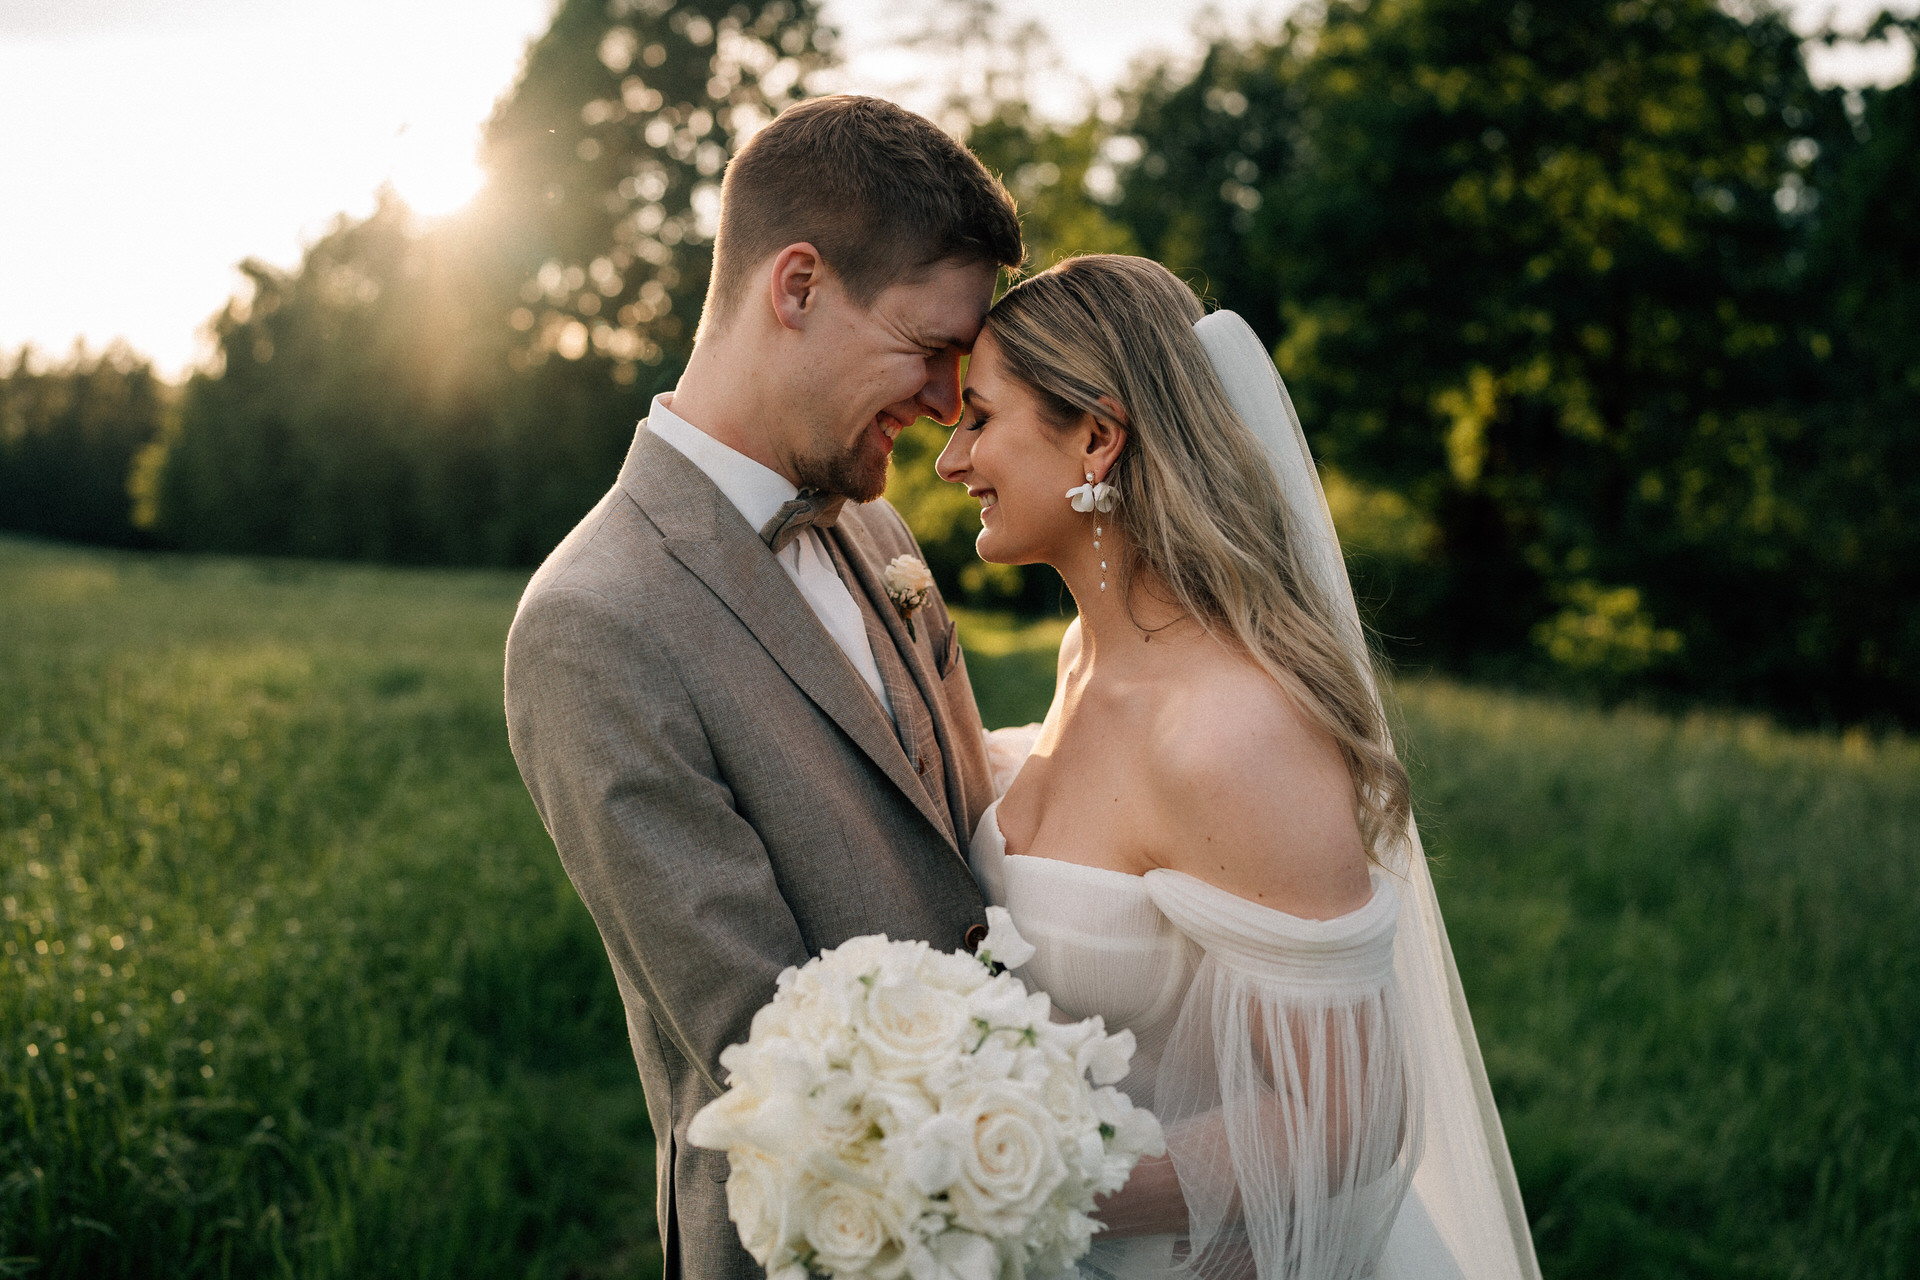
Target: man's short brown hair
878,190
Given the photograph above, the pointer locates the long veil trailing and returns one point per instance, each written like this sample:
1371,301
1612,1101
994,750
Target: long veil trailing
1463,1215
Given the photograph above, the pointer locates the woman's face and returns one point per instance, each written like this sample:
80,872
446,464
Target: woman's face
1018,464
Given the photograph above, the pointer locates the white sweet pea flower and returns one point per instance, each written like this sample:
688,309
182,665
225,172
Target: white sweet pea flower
1106,1058
1003,944
955,1255
933,1155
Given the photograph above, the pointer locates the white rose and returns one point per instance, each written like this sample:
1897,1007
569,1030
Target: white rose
907,576
755,1189
953,971
1011,1161
852,1230
911,1024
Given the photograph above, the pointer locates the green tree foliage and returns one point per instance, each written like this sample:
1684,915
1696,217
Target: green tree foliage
69,435
1541,272
606,165
461,392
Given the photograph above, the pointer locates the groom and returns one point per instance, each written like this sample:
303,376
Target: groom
744,750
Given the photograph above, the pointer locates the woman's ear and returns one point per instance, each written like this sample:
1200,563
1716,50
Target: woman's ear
1106,437
794,280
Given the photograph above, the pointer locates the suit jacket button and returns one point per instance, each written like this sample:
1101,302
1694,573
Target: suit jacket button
920,765
976,934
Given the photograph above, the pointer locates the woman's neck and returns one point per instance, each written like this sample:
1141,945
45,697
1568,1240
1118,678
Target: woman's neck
1130,621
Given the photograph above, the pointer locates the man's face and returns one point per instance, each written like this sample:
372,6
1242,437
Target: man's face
879,367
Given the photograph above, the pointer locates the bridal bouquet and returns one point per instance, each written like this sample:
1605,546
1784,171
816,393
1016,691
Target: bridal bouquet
900,1111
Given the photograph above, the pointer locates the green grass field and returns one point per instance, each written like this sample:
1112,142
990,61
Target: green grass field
292,982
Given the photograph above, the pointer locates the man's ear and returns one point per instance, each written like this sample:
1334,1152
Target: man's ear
794,281
1106,436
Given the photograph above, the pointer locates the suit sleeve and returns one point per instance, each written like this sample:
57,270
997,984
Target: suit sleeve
622,773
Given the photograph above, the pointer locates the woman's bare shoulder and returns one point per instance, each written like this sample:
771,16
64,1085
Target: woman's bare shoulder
1250,795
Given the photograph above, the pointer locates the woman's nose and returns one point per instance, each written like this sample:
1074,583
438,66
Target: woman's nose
952,462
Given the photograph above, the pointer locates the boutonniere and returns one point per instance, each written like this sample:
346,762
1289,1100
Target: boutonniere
909,586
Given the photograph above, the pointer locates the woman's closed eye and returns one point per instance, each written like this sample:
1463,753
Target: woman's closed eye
974,420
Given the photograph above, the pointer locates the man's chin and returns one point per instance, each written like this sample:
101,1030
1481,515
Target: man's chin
852,477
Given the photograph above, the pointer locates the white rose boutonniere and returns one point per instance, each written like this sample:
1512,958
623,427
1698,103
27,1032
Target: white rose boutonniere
909,586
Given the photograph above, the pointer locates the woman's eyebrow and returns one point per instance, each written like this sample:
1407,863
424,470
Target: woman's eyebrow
973,399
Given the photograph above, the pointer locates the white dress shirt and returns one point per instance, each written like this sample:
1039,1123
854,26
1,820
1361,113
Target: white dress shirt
759,492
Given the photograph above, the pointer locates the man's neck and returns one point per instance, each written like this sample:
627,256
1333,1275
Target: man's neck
723,393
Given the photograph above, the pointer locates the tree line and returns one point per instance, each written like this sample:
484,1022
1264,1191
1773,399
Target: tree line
1600,318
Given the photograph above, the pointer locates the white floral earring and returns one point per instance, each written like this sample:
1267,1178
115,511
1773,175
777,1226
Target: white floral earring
1098,498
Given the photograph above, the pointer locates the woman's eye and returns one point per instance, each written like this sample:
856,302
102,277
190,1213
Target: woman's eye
978,421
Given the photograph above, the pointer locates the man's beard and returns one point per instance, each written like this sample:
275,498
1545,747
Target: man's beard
846,472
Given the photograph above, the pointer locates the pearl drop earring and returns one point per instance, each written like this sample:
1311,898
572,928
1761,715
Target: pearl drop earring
1097,498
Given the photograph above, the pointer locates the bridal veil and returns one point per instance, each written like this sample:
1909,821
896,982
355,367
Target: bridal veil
1462,1216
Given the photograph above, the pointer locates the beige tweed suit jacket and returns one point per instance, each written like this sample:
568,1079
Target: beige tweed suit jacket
724,790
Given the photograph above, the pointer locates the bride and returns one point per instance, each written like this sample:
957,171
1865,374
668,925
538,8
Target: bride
1209,837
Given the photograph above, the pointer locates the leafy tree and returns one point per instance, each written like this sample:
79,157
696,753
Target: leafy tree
69,434
1855,477
606,164
462,392
1540,271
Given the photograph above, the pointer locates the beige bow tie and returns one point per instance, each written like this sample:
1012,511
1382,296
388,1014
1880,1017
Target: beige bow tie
811,507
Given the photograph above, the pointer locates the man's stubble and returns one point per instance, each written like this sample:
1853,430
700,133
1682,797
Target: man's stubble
851,473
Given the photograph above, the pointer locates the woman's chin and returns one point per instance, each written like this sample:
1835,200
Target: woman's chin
988,548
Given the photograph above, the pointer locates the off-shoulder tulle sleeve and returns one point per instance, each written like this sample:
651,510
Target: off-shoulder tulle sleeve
1286,1088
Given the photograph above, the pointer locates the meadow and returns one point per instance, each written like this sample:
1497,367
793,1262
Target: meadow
293,985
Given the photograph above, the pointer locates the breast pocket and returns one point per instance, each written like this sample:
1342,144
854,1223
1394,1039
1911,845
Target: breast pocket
946,649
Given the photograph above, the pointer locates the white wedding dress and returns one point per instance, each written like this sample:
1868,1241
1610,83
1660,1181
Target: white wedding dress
1326,1108
1322,1144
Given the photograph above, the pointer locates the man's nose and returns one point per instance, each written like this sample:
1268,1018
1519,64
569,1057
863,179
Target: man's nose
940,396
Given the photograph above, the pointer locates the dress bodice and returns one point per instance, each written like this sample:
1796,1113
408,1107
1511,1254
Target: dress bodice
1126,947
1100,944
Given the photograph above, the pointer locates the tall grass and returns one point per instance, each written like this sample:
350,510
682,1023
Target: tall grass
1690,945
291,982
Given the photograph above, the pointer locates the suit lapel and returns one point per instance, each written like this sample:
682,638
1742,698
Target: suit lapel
704,532
868,565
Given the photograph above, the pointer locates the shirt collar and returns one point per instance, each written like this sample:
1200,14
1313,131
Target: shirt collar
756,491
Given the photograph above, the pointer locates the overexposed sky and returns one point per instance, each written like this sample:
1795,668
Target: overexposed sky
146,146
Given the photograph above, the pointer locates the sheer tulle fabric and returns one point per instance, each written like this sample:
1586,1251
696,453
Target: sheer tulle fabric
1285,1086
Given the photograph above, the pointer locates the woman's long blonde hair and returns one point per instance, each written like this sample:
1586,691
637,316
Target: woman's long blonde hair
1200,509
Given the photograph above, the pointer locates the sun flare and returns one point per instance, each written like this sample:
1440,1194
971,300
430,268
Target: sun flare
435,168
